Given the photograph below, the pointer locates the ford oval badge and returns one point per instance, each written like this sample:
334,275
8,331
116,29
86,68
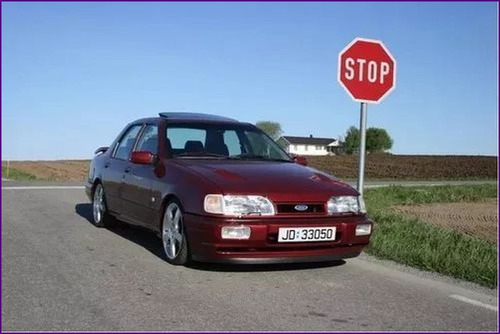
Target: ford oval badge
301,207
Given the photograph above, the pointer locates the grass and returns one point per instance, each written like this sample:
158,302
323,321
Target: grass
418,244
15,174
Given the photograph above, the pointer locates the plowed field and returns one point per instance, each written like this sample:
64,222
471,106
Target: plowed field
409,167
475,219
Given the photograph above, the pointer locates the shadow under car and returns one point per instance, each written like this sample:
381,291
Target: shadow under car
148,240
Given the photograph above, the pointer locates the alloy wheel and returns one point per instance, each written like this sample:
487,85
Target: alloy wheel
98,206
172,231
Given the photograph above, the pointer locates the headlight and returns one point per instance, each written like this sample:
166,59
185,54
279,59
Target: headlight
345,204
238,205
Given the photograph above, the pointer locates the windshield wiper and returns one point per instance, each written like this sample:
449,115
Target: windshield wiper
251,156
200,154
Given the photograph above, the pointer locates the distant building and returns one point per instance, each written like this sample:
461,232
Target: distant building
310,145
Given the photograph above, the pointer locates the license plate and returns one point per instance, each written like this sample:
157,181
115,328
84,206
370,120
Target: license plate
306,234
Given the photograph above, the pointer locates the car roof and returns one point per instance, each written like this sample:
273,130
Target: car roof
195,117
148,120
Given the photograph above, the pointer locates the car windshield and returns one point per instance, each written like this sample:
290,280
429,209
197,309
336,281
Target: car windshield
222,141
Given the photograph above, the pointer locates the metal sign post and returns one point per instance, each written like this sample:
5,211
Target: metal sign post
362,146
367,71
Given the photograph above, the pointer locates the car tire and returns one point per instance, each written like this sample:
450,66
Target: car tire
173,234
101,216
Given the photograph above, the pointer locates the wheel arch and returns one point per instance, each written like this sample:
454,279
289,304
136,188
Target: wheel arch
97,181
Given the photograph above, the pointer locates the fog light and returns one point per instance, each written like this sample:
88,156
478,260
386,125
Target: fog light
235,232
363,229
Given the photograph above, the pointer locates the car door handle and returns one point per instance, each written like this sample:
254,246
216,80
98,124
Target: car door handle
127,169
106,165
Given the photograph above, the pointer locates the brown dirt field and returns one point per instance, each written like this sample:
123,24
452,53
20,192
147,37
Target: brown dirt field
58,170
378,167
409,167
475,219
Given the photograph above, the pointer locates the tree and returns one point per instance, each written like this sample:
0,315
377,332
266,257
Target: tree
377,140
273,129
351,141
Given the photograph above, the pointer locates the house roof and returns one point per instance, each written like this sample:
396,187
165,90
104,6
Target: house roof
309,140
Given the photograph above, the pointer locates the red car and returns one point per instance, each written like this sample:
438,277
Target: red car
218,190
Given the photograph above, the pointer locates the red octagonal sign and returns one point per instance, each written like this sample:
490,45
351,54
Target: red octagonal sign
367,70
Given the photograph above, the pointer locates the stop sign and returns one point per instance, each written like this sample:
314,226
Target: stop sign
367,70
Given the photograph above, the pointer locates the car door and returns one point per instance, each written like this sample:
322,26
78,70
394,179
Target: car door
116,166
137,197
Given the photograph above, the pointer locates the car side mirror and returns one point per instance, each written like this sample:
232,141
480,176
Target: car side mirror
300,160
102,149
142,157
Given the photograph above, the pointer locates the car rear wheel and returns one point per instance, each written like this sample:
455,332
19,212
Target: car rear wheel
173,235
99,208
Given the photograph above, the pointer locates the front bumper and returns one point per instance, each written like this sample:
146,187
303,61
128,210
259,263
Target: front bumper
262,247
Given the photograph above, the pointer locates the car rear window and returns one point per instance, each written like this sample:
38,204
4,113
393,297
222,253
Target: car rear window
180,136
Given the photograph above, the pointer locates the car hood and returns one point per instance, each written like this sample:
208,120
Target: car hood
279,181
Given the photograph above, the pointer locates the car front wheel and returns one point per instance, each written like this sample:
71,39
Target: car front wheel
173,235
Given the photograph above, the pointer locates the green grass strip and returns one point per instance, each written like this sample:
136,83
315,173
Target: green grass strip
15,174
419,244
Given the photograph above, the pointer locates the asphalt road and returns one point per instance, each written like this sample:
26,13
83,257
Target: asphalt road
59,272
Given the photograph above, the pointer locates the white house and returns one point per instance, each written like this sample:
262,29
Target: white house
309,145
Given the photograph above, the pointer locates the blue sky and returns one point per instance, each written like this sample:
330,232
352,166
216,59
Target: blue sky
73,74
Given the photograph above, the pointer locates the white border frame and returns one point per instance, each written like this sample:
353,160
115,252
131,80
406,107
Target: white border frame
355,40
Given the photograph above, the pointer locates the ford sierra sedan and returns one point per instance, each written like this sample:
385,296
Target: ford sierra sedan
218,190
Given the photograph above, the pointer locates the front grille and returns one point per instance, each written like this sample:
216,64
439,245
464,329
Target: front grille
292,208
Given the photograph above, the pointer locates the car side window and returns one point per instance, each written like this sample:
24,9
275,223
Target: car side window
126,144
148,140
261,147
